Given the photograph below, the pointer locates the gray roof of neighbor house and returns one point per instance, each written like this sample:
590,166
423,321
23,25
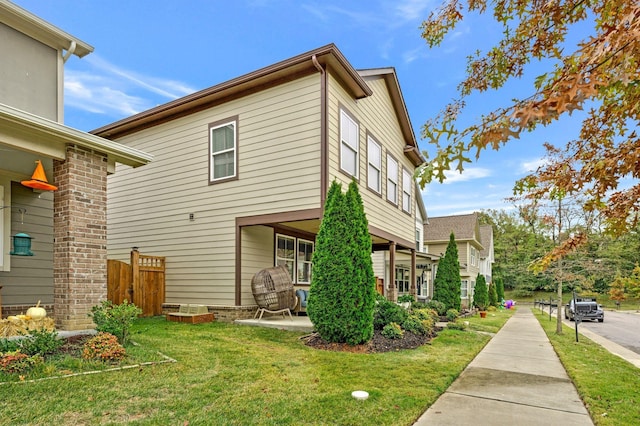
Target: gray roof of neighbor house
41,30
464,228
486,235
326,57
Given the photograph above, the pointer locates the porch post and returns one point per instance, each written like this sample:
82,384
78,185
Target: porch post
412,289
80,237
392,292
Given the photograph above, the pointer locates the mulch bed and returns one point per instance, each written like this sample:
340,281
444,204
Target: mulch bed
377,344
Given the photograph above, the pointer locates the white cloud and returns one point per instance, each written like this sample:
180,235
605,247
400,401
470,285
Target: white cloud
412,9
104,88
470,173
532,165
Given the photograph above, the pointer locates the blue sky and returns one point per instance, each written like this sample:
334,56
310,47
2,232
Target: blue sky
148,52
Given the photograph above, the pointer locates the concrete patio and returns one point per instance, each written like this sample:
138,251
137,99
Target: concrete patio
279,321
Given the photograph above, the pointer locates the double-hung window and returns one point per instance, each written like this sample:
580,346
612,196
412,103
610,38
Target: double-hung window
392,179
473,256
403,279
348,144
223,149
464,289
296,255
374,158
406,190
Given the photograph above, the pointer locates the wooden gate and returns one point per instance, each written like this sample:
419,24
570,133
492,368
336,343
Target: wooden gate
141,282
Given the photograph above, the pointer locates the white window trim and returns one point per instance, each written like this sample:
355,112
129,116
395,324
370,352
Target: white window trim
352,145
392,178
464,295
313,247
378,167
399,278
296,245
212,154
406,190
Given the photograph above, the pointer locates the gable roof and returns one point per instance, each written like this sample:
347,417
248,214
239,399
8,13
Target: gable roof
326,57
486,236
41,30
464,227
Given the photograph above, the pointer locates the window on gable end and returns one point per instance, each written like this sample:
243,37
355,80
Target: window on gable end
223,150
348,144
407,181
392,179
374,158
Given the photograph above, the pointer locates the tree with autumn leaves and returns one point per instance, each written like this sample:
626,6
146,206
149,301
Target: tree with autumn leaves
601,73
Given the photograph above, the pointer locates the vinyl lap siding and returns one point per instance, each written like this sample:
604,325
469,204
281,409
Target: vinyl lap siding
278,166
31,277
376,115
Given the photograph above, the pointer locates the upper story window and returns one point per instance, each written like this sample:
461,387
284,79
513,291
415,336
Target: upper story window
473,256
348,144
392,179
406,190
374,158
223,150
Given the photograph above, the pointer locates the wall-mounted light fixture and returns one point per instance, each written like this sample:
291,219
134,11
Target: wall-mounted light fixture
22,245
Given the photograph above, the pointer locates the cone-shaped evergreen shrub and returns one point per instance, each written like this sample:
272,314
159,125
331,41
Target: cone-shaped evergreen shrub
481,294
500,289
342,292
493,295
446,286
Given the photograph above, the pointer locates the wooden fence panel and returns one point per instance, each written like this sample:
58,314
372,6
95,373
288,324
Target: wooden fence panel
118,281
142,282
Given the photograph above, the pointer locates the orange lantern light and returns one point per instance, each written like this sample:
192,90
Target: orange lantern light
39,179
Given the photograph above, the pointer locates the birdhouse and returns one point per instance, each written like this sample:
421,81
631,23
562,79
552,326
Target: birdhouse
22,245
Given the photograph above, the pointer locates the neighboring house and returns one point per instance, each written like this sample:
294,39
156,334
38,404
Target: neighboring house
241,171
468,239
66,227
486,254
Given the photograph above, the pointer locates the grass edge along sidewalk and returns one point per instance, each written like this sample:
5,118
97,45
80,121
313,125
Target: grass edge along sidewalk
235,375
607,384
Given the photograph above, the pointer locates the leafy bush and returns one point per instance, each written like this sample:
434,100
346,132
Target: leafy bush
406,298
452,314
438,306
103,347
18,362
392,331
7,345
40,342
386,312
115,319
418,325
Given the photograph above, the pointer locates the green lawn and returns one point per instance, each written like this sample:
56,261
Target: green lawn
237,375
606,383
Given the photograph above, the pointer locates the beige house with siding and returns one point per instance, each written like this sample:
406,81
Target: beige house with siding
466,230
65,267
241,171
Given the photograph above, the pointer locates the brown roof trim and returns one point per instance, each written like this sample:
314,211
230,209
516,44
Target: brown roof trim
328,56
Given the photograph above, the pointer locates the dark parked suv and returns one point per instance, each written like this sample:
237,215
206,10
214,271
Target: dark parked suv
585,309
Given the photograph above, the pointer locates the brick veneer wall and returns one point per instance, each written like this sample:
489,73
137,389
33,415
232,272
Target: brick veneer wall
80,237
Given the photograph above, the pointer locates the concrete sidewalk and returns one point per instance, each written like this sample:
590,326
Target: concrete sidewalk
516,379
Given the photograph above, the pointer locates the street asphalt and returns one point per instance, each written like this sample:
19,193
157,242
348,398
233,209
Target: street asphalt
517,379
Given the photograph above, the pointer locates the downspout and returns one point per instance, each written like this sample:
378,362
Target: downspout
324,144
70,51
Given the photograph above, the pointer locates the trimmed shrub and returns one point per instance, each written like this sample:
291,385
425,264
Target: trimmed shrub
456,325
419,325
103,347
342,292
452,314
446,286
406,298
493,295
480,295
499,289
392,331
386,312
438,306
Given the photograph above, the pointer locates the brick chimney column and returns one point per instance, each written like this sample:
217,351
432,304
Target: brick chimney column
80,237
